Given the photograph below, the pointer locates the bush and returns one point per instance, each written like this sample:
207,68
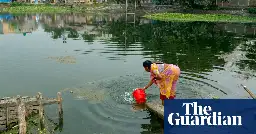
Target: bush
15,4
252,10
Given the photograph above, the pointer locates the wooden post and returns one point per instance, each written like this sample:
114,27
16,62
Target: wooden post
40,110
135,6
21,116
126,6
7,115
59,99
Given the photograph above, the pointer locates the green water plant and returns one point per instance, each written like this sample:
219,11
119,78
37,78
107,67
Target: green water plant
29,8
48,8
200,17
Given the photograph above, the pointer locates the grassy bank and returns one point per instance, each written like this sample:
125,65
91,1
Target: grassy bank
200,17
48,8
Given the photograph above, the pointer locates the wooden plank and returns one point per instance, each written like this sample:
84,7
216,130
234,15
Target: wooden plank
7,104
2,114
13,116
12,108
2,110
156,107
3,106
12,102
32,103
3,118
2,122
12,121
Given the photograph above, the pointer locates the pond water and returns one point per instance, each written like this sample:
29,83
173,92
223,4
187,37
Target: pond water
96,62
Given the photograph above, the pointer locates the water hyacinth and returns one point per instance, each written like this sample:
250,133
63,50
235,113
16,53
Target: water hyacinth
200,17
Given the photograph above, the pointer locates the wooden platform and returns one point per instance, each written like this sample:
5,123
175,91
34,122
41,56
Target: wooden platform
14,110
156,107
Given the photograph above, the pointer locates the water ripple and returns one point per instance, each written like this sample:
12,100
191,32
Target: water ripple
116,108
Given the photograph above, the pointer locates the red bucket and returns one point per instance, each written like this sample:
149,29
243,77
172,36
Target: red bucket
139,95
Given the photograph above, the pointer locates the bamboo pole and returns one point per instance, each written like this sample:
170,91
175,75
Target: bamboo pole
249,92
21,116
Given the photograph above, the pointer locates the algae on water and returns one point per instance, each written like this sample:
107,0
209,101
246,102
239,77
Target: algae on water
200,17
64,59
89,94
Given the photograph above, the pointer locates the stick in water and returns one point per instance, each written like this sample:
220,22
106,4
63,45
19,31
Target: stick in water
248,91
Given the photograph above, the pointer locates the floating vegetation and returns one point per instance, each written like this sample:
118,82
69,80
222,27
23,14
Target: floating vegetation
200,17
48,8
89,94
64,60
36,9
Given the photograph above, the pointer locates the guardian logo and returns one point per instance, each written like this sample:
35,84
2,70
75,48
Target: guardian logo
202,115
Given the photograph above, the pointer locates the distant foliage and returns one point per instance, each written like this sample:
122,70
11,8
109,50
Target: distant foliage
15,4
252,10
21,4
201,4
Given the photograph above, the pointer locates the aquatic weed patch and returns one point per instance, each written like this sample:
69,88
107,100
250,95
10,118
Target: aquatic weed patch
35,9
15,8
200,17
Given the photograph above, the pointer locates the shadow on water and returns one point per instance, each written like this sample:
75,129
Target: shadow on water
204,51
155,126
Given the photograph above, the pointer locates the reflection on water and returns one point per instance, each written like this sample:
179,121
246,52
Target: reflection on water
214,58
170,42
